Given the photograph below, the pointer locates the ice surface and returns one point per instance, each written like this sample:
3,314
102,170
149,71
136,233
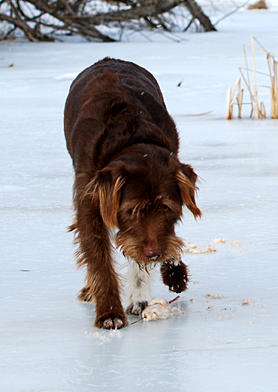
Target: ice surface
226,340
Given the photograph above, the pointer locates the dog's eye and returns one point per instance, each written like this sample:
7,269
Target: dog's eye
163,208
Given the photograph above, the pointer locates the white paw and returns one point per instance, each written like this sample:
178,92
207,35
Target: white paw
136,307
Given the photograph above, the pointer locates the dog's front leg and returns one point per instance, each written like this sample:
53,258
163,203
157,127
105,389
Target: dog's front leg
139,290
102,282
175,275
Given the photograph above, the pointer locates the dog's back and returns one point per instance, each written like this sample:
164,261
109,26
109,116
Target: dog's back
112,103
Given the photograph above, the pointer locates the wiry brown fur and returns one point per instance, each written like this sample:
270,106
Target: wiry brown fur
175,276
124,147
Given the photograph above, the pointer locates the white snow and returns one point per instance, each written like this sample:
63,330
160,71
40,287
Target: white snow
226,340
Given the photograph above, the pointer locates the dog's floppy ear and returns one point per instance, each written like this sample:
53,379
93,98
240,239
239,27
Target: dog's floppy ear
109,182
187,178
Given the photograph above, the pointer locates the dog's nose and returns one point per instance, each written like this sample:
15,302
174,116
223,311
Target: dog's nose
152,252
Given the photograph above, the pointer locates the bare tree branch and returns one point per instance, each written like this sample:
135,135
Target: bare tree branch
78,16
197,13
237,7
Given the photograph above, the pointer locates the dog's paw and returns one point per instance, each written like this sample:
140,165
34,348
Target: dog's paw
137,307
85,295
175,276
111,321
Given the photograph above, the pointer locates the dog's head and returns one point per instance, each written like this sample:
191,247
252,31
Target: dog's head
143,196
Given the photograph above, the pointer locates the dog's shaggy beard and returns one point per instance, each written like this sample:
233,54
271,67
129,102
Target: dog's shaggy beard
132,249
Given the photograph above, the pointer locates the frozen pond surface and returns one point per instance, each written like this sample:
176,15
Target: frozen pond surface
226,340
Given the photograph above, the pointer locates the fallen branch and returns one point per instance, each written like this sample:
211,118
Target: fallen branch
82,17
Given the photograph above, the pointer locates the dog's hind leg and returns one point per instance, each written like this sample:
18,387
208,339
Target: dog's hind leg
85,295
139,289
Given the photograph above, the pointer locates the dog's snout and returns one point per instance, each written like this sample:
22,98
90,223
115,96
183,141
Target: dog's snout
152,252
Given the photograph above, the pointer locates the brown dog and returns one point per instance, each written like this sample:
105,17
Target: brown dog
124,147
